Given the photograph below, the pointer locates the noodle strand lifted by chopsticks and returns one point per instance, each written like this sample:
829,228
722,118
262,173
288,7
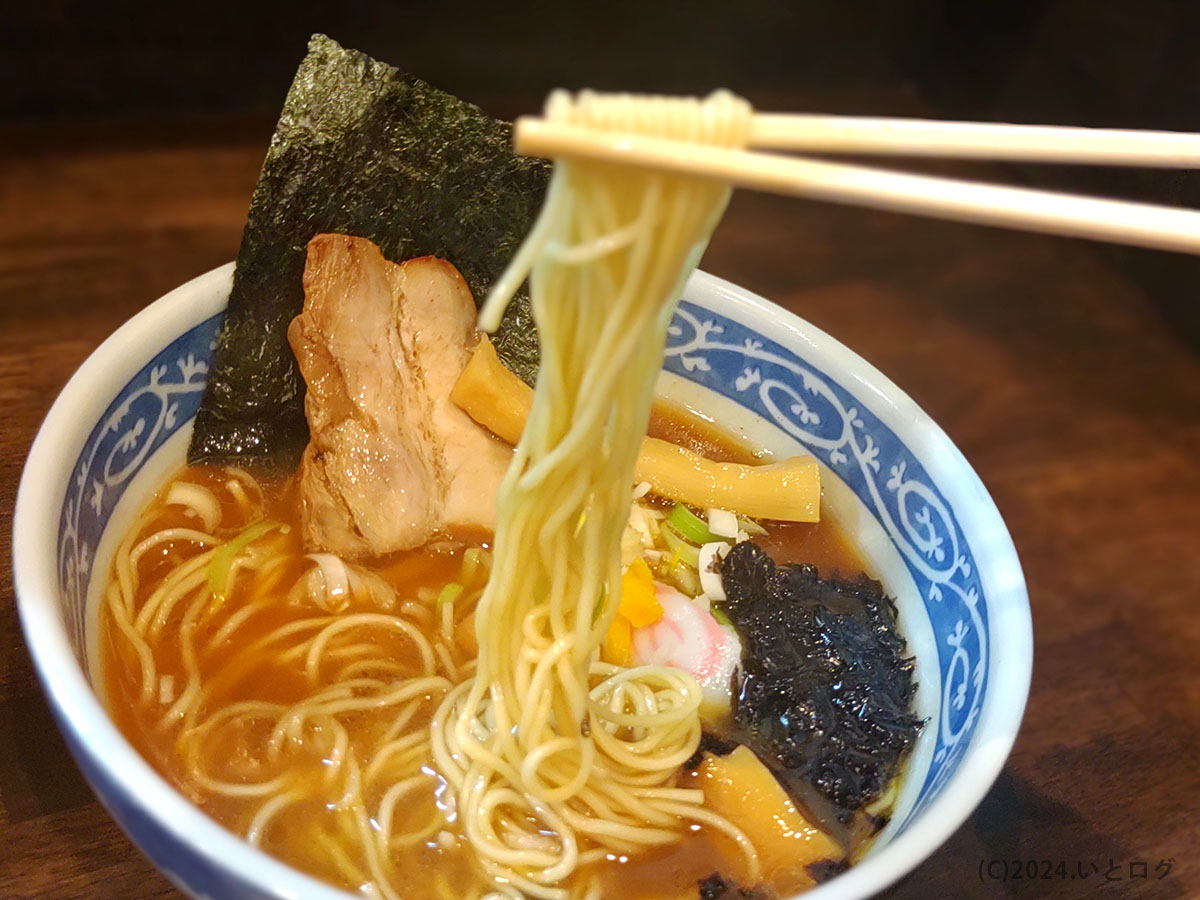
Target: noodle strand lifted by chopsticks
557,759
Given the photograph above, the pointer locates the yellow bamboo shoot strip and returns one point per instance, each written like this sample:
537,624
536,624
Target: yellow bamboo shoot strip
492,395
789,490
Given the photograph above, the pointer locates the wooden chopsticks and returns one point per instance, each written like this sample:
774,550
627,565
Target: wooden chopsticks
1123,222
975,140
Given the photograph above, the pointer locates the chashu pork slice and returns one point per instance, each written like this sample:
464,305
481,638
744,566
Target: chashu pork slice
392,463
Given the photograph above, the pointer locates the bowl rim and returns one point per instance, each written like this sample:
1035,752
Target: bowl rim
49,467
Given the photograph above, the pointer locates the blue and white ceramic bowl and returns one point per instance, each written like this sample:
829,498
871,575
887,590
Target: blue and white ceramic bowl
918,512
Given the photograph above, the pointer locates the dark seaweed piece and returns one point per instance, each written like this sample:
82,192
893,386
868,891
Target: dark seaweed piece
709,743
714,887
824,869
360,149
825,690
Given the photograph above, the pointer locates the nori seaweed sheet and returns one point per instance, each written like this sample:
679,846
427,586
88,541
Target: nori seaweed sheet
825,691
363,149
715,887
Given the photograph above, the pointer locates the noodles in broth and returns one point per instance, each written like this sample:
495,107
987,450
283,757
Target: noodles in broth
347,727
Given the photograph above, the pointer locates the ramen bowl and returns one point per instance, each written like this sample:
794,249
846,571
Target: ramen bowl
913,507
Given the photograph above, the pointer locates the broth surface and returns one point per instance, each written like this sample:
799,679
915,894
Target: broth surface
237,669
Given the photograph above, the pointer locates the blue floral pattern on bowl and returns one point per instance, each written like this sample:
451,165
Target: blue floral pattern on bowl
157,402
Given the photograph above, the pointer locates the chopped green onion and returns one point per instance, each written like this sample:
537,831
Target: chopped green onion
598,609
719,614
750,526
222,560
449,593
689,525
685,579
722,523
681,549
473,561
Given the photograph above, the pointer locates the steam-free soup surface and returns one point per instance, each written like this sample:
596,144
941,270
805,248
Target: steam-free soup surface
238,665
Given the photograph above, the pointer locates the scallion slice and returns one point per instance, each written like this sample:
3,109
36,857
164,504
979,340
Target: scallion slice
690,526
222,560
449,593
682,550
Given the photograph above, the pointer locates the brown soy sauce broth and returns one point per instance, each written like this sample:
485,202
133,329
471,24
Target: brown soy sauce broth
435,868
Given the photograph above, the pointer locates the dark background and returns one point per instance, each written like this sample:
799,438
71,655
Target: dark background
183,70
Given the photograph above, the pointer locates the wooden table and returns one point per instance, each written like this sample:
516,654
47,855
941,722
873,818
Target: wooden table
1054,375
